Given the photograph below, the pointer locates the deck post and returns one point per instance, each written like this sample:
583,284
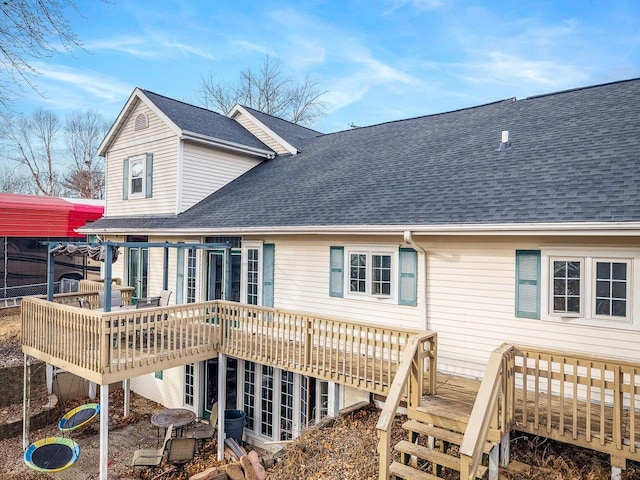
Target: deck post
505,451
104,430
222,402
49,377
126,386
617,465
494,467
26,400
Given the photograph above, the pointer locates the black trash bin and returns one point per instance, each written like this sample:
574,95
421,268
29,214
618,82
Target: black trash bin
234,423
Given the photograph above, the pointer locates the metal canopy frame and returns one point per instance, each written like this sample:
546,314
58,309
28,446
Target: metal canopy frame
108,261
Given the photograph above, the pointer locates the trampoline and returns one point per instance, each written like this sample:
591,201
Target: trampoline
52,454
78,417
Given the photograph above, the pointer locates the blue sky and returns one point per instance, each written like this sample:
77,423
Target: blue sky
379,60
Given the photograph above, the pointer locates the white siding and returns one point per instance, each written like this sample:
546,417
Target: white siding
205,170
168,391
258,132
471,292
301,282
158,139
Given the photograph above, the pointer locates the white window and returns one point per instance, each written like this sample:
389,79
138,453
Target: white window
251,273
137,175
591,287
370,272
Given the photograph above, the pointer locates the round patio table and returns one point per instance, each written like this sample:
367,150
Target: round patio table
178,417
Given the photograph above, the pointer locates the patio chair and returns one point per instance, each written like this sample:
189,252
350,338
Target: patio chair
147,302
181,451
84,303
116,298
151,457
203,429
165,296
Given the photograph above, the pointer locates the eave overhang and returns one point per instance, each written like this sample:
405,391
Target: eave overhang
620,229
217,142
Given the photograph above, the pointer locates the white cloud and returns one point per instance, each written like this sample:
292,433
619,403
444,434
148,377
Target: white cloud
67,88
504,68
150,46
254,47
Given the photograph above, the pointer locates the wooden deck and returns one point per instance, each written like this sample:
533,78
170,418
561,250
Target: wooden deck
106,347
578,422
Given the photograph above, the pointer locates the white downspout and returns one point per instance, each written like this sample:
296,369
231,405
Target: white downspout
422,272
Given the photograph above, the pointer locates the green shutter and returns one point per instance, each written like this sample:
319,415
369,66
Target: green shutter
268,258
528,283
336,271
159,374
148,191
408,277
125,179
180,276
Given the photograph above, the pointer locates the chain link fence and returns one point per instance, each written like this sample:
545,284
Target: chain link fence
11,296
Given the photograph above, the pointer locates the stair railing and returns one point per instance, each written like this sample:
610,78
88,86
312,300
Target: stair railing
409,380
496,390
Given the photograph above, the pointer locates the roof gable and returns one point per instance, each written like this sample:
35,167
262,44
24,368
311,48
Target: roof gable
289,136
189,122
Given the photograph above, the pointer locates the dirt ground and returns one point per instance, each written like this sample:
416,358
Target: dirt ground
344,450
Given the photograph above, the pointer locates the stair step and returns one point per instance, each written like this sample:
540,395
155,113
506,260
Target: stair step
440,433
409,473
434,456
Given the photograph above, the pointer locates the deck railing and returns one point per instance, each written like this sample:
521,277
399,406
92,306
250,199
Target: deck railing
593,402
357,354
408,382
492,410
126,343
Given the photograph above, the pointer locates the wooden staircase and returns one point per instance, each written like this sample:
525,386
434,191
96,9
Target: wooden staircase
435,431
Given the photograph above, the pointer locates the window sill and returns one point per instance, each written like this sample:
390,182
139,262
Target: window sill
625,324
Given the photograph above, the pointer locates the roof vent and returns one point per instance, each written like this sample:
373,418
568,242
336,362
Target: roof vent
505,144
142,122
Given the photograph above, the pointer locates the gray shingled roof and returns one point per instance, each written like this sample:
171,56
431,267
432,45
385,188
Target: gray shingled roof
574,157
292,133
204,122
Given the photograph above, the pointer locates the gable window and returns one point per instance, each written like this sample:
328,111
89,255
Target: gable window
590,287
137,177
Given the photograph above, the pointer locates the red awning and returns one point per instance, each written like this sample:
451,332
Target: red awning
35,216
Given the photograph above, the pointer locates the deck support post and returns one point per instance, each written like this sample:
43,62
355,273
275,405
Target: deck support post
505,451
126,386
617,465
48,372
222,402
26,400
104,430
494,467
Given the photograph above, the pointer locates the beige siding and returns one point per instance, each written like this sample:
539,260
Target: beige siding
205,170
471,291
168,391
301,282
258,132
158,139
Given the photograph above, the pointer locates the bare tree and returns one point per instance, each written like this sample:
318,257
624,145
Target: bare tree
268,91
13,180
31,142
30,30
83,133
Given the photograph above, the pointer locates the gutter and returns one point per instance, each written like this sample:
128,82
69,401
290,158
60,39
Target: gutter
408,239
237,147
524,229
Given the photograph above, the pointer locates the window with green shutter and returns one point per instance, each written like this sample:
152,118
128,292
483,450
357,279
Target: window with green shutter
408,281
336,271
528,283
268,260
